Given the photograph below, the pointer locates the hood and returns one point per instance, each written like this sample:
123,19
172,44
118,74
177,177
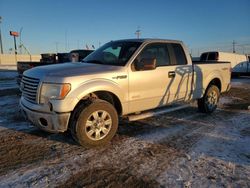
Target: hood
69,70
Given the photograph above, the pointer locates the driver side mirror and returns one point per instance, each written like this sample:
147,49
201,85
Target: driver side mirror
145,64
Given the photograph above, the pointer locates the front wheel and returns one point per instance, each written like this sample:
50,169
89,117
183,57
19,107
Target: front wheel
96,124
208,103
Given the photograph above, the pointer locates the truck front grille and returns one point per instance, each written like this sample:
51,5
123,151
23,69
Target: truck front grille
29,87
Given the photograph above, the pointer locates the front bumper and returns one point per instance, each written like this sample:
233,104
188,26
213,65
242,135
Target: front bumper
50,122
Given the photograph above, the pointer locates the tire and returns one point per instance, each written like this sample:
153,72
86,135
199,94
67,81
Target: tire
95,123
208,103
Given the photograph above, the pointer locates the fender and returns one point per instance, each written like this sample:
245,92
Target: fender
208,78
88,87
100,85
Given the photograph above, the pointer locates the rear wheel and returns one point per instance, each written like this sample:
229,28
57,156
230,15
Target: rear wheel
208,103
96,123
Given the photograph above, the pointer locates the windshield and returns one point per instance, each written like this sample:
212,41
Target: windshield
113,53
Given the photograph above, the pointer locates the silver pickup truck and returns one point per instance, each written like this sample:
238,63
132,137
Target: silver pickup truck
124,78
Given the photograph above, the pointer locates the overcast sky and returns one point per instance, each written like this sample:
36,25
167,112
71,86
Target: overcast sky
60,25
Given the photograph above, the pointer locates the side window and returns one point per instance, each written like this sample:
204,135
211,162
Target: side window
179,54
155,51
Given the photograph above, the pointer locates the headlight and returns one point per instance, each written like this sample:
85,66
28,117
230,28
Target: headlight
53,91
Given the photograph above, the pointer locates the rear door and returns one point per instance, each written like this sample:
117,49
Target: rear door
181,87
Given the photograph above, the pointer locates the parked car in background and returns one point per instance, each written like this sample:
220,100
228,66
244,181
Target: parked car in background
240,63
51,58
46,59
131,79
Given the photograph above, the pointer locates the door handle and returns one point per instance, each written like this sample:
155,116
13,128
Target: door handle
171,74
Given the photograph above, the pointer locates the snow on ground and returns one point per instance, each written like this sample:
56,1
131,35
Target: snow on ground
8,75
220,159
8,80
240,82
230,135
225,100
10,84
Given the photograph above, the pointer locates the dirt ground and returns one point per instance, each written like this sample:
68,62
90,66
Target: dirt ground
179,149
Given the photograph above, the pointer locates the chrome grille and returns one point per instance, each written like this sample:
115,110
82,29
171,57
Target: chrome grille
29,87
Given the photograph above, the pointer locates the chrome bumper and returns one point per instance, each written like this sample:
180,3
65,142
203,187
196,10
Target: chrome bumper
50,122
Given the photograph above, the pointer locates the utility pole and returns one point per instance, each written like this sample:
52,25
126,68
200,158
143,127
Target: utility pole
1,42
234,46
138,32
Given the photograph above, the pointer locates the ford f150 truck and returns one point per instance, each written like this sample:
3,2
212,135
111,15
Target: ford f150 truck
131,78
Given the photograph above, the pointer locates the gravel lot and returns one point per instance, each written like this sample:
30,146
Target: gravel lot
180,149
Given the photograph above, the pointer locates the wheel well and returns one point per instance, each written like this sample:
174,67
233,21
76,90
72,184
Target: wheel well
106,96
216,82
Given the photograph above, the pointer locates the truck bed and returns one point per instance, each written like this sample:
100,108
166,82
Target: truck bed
204,72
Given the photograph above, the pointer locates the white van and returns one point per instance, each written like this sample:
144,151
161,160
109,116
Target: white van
240,63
